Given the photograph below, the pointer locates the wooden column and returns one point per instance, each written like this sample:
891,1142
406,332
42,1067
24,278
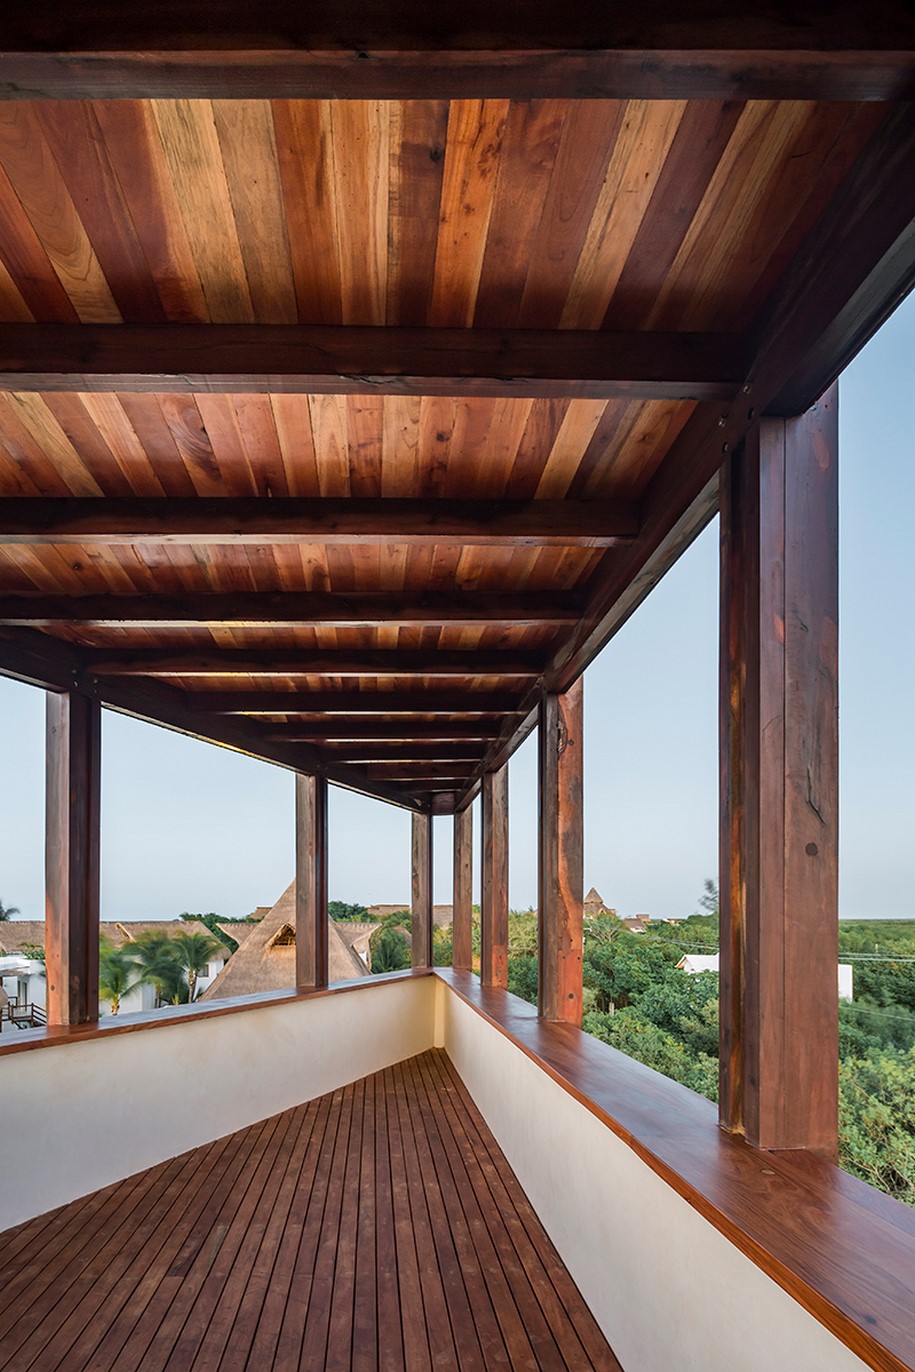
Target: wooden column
72,835
421,903
310,881
561,869
462,914
494,882
779,784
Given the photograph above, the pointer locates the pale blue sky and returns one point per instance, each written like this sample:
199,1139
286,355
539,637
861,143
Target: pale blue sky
187,826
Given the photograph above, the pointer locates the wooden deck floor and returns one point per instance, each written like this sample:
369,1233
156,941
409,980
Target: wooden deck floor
379,1227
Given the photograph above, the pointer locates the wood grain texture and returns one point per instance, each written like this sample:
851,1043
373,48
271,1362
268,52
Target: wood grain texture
311,857
72,851
421,890
844,1252
779,862
494,878
561,855
462,907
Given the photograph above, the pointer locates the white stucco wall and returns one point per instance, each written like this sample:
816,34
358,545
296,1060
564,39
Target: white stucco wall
667,1288
101,1110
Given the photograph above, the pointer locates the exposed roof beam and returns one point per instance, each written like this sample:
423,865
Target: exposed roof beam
367,610
392,705
49,663
855,265
403,733
287,662
282,519
388,751
353,360
418,771
401,49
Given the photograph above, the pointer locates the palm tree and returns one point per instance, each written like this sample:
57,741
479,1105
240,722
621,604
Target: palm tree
117,973
157,960
194,952
7,911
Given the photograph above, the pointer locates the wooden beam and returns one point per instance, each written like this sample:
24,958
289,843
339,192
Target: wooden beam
288,662
353,360
112,521
421,888
494,880
853,268
73,818
30,656
371,609
561,866
387,751
435,769
462,909
392,705
353,50
311,933
779,779
334,731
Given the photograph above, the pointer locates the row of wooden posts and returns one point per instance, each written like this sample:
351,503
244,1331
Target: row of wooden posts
778,837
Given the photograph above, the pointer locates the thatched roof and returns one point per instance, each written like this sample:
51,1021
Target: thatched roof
442,915
266,959
17,933
355,934
594,900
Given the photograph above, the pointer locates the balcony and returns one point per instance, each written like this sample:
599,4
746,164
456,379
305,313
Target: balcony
416,1172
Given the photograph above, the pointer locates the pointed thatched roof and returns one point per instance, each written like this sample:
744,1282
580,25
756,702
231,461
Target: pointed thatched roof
594,900
266,959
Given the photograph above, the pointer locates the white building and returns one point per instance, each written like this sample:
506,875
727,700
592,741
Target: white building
692,963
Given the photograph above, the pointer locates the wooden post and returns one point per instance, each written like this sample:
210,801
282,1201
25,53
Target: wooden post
421,906
561,869
310,881
72,836
462,913
779,784
494,884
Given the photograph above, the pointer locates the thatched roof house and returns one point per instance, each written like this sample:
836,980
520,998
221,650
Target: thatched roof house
16,934
265,961
442,915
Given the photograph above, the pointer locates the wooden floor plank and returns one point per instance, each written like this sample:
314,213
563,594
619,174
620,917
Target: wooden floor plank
377,1229
68,1313
561,1293
524,1329
251,1302
308,1200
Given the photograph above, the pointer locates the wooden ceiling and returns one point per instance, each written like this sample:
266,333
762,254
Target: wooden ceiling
331,425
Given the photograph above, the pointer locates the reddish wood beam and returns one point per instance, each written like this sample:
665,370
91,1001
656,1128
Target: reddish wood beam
494,880
779,780
392,705
421,888
353,360
854,267
350,49
403,753
73,818
58,666
561,866
287,662
311,934
462,909
366,610
418,771
111,521
334,732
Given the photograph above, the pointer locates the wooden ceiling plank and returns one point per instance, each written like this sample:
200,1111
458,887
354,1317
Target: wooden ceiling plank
284,662
400,732
596,523
393,706
293,359
300,608
348,49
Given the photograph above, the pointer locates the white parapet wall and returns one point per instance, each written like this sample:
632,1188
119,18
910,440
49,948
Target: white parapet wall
667,1288
91,1113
